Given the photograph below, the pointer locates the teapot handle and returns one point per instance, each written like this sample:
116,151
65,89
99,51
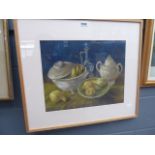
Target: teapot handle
98,65
120,67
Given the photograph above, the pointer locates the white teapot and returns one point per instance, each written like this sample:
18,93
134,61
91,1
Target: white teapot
110,70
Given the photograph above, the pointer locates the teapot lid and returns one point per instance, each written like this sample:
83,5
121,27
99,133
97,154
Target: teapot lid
109,61
60,70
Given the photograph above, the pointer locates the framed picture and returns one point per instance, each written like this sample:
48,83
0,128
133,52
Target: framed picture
6,90
78,72
148,58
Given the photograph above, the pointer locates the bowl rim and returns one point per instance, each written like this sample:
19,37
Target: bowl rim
97,96
63,79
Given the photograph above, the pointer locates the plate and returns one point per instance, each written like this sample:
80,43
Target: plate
99,93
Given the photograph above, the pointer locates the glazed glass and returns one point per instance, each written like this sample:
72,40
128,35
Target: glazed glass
151,72
42,44
4,89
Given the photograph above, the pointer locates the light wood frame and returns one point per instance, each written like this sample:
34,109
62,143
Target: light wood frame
8,61
147,51
87,123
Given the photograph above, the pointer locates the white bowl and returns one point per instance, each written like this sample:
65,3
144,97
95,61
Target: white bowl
71,84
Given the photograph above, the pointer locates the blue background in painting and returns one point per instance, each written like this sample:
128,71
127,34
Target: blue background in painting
53,51
12,118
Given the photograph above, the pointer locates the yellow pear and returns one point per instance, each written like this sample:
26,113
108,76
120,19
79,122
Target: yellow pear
87,84
90,91
73,73
55,96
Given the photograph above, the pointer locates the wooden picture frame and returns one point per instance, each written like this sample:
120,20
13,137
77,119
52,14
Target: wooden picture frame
29,52
6,89
148,39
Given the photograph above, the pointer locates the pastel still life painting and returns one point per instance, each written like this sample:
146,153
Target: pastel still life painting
82,73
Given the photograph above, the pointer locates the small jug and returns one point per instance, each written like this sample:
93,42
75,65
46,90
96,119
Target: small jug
110,70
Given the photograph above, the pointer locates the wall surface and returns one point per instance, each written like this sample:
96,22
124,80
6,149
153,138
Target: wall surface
12,120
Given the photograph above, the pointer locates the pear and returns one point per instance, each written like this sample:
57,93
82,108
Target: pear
100,82
73,73
56,96
81,69
87,84
78,70
90,91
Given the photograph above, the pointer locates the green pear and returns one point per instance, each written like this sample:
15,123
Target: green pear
87,84
100,82
55,96
73,73
90,91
